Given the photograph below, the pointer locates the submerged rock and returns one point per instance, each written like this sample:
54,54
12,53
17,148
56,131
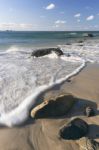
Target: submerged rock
54,107
75,129
43,52
88,35
68,43
80,41
89,112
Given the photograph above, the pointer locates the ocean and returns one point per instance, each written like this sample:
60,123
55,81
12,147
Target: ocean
39,39
23,77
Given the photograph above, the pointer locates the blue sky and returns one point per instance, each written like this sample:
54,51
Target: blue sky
49,15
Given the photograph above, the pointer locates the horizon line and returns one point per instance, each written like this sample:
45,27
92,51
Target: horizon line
49,31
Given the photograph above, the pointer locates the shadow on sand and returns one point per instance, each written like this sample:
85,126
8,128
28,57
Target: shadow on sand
93,131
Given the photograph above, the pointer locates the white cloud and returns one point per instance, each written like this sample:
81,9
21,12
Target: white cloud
90,18
50,6
60,22
15,26
56,26
77,15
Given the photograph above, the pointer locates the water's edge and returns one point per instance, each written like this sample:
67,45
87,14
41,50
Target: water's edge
21,113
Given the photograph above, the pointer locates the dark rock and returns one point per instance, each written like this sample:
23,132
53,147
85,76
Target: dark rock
43,52
90,35
89,112
81,45
75,129
68,43
68,80
54,107
80,41
68,55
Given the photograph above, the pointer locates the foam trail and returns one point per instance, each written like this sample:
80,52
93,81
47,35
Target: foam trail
21,113
76,71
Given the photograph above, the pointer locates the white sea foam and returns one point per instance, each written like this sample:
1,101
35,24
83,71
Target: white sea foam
88,50
13,49
52,55
73,33
20,114
23,78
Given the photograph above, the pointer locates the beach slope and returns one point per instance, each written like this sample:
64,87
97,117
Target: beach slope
43,134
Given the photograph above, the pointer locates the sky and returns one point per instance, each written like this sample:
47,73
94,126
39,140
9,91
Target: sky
49,15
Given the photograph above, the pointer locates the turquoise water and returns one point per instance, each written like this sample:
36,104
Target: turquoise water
39,39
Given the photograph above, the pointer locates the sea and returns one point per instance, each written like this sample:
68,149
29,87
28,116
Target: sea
23,77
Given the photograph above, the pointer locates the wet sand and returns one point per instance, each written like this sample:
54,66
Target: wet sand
42,134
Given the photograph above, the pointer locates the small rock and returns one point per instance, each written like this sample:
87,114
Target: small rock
89,112
92,144
68,80
75,129
68,44
81,45
80,41
90,35
87,143
68,55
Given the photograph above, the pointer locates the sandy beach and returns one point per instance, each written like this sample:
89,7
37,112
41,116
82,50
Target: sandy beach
42,134
49,75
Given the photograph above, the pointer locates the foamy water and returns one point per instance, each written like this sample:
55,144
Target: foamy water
88,50
23,78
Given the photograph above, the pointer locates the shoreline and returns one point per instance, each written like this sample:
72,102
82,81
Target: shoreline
85,87
31,98
17,117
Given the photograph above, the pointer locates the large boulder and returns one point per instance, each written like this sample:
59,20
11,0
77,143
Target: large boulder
43,52
54,107
75,129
